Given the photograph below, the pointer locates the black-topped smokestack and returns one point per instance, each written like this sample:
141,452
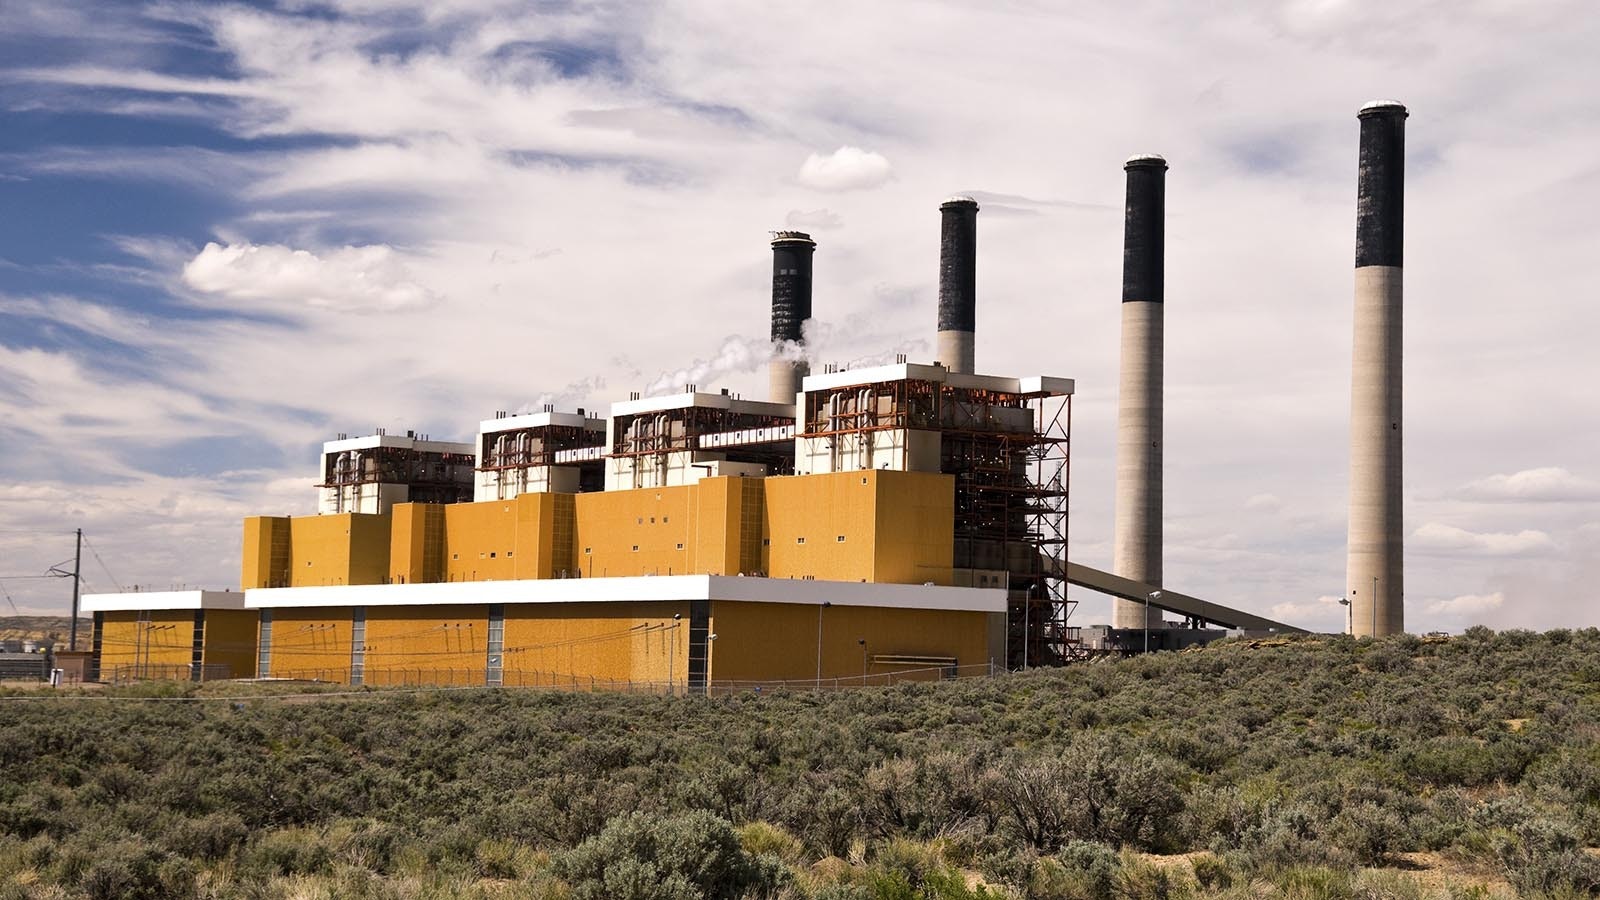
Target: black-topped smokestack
1144,230
791,307
1137,545
1375,565
958,282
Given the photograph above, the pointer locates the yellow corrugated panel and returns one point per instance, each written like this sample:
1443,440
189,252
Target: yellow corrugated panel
779,641
230,642
426,645
311,644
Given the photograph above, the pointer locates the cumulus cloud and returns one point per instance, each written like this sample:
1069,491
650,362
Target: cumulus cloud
1324,613
813,220
349,279
845,169
1466,604
1551,484
1437,537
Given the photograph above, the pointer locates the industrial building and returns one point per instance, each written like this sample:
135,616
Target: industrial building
858,525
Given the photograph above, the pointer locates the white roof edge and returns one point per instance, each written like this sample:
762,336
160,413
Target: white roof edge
369,441
702,400
535,420
137,601
634,589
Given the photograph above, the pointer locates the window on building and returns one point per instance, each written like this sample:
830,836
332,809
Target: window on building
800,540
841,538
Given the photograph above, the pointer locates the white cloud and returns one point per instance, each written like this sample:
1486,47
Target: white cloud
1548,484
1466,604
845,169
1437,537
1264,502
1324,614
349,279
813,220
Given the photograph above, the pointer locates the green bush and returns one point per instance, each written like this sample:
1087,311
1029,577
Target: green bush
695,856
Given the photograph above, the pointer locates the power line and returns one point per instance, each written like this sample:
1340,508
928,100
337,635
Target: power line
96,554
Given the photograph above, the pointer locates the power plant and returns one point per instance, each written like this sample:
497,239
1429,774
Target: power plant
858,526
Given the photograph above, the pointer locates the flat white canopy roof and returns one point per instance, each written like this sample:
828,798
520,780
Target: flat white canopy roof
702,400
138,601
369,441
540,419
1038,385
625,590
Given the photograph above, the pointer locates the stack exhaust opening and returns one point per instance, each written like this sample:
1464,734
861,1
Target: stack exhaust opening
1137,553
791,308
1375,567
958,282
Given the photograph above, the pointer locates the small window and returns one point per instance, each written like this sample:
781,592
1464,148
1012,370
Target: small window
455,556
640,521
841,538
680,546
652,520
588,550
308,562
508,554
491,553
766,542
799,540
481,554
863,479
636,548
663,520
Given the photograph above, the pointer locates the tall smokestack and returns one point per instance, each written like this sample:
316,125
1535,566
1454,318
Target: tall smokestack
1137,553
1375,572
958,281
791,307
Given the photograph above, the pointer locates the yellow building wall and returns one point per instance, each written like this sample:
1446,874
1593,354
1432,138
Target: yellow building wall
686,530
416,543
614,644
426,645
260,566
874,525
778,641
311,644
230,640
546,524
154,644
347,548
480,540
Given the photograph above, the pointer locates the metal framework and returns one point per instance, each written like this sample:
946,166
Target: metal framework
740,436
432,477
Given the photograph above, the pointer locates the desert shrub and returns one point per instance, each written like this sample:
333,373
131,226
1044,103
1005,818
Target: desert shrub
766,839
1369,832
1213,872
695,856
1095,791
288,851
1142,880
134,869
210,837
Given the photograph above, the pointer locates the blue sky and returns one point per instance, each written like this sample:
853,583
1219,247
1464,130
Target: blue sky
230,230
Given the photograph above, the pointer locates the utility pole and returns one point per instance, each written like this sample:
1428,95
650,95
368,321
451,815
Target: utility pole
77,581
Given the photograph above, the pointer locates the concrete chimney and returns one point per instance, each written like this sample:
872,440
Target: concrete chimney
1375,571
791,308
1137,553
958,282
